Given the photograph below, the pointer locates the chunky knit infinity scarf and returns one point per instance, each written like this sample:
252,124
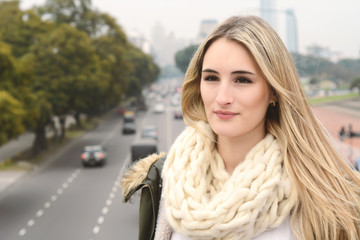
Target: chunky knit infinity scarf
203,201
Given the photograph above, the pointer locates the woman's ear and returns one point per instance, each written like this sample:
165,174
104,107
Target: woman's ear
273,96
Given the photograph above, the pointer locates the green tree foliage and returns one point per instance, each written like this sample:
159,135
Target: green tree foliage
144,70
7,69
77,13
317,67
67,69
66,58
355,83
11,116
11,109
352,66
111,47
39,115
18,28
183,57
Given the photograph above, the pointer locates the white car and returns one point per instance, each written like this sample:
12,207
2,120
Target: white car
159,108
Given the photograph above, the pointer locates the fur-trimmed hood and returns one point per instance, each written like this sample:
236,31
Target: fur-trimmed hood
136,174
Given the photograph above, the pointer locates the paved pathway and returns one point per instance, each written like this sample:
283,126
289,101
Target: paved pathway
338,115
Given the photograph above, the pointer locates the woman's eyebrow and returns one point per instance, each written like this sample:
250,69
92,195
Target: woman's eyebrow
242,72
234,72
209,71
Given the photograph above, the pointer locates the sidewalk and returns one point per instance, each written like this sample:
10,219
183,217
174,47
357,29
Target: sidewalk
14,147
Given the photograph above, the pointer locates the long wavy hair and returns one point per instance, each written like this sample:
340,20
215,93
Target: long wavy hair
327,187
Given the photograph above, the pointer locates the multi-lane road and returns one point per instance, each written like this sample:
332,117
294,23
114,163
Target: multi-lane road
62,200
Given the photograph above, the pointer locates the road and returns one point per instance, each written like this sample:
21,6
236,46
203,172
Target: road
62,200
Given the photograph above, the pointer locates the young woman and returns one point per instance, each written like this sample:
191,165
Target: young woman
253,162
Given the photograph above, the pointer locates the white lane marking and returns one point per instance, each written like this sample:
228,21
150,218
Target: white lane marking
96,230
108,202
47,204
105,210
39,213
22,232
101,220
111,195
114,189
31,222
53,198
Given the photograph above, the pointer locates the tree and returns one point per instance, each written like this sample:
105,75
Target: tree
11,117
355,83
11,109
111,48
19,29
66,70
183,57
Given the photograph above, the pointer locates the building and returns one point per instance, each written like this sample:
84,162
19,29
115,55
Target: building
138,40
268,12
206,27
291,31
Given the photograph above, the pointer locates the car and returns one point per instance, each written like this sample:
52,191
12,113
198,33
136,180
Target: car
142,148
93,155
159,108
149,131
178,114
121,111
129,116
129,128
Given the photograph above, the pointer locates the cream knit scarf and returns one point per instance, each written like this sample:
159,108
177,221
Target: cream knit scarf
203,201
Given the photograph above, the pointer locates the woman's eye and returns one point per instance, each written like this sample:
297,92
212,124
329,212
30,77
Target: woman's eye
210,78
242,80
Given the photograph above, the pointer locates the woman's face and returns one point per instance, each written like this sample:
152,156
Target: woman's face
234,93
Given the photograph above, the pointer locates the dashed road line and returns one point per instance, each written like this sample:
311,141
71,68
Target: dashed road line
53,198
108,203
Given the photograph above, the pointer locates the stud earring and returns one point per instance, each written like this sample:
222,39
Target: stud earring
272,104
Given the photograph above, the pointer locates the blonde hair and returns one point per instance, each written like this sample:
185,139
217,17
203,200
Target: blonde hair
327,187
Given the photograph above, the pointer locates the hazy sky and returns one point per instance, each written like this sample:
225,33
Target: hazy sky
329,23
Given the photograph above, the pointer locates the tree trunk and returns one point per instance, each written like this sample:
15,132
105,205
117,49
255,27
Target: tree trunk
40,142
62,121
77,119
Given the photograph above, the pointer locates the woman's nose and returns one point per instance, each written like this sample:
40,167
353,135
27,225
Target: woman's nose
224,94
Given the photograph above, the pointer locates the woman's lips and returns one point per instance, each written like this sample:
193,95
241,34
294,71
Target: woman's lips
225,114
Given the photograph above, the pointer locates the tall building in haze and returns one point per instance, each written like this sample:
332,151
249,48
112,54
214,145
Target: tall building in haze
206,27
291,31
268,12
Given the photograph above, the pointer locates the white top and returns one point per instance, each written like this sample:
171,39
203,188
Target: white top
283,232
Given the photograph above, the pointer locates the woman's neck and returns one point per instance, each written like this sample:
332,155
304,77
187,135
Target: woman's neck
234,150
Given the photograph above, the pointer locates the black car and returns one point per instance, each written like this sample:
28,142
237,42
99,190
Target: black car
93,155
128,128
143,148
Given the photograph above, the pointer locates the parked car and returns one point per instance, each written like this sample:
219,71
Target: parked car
93,155
143,148
149,131
129,128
